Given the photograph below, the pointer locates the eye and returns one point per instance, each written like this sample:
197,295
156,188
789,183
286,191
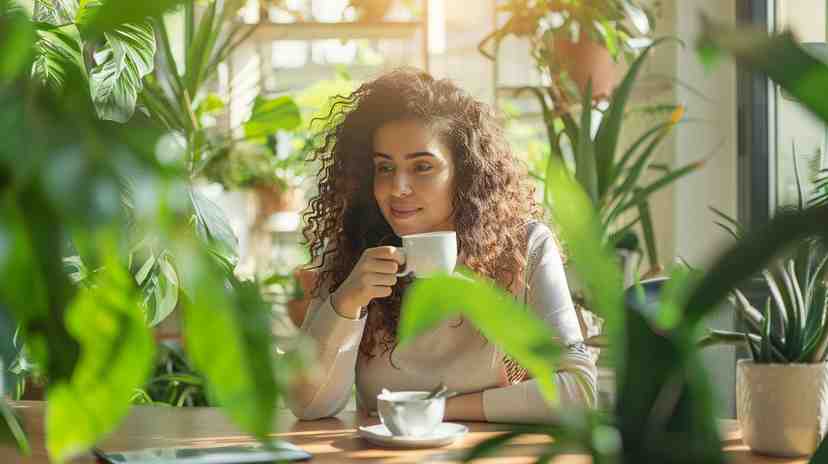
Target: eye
383,168
423,167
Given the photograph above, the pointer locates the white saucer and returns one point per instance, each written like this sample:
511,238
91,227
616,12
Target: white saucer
445,434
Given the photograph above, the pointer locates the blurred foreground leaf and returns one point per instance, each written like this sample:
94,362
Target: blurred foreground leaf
499,317
117,352
228,337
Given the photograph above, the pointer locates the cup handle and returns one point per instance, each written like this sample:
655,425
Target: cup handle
408,269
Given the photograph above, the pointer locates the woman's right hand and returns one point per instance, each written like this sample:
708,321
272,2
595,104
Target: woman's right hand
373,277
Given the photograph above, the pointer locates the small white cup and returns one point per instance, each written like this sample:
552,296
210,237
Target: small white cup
408,413
429,253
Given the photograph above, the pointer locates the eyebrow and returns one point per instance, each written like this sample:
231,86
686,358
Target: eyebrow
418,154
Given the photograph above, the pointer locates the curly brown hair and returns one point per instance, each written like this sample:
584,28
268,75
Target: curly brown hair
493,199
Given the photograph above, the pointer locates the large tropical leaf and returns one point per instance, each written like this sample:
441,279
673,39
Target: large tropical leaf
499,317
57,49
240,369
117,352
115,78
214,229
55,12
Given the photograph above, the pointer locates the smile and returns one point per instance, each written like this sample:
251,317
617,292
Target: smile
404,213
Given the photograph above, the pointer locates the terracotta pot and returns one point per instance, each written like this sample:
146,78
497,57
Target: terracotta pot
587,59
782,408
371,10
272,199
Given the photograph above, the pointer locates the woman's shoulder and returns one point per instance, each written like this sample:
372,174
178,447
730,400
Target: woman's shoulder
537,233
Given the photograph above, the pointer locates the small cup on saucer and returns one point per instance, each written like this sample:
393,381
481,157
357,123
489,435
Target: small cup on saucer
409,413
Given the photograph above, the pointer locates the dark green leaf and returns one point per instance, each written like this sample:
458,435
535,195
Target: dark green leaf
779,57
272,115
17,35
751,254
821,454
11,431
112,14
212,226
585,161
116,78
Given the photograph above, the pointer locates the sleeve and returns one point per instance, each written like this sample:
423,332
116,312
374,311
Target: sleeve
337,340
576,375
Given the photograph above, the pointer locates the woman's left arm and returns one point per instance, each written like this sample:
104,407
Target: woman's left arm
576,376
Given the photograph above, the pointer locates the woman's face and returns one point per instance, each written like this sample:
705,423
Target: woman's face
413,178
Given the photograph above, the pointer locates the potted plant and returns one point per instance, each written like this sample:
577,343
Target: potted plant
780,398
577,41
297,288
615,179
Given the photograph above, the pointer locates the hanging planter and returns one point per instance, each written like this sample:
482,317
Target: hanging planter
584,60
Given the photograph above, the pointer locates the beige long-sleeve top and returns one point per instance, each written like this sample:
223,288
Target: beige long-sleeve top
454,354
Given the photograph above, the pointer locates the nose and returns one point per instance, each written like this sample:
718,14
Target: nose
400,186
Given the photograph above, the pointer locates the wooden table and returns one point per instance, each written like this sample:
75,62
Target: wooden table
330,440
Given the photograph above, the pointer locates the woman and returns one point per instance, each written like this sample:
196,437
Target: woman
408,154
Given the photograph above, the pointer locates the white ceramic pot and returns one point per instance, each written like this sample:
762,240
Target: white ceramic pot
782,408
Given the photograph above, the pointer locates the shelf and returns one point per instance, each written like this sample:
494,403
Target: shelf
642,91
341,30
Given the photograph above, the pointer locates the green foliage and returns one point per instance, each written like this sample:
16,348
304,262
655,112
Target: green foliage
67,189
116,79
792,327
601,21
116,356
521,334
241,372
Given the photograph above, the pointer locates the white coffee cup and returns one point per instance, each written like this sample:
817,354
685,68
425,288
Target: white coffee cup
429,253
408,413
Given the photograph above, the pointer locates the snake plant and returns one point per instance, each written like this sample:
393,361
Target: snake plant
791,327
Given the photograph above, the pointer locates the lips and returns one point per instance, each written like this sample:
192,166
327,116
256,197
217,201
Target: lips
404,212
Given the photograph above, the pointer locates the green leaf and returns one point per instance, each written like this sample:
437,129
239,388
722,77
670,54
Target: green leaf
821,454
214,229
649,233
57,49
16,37
161,290
55,12
664,409
503,321
594,262
115,80
271,115
117,352
240,369
606,140
108,15
585,160
490,446
11,432
779,57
